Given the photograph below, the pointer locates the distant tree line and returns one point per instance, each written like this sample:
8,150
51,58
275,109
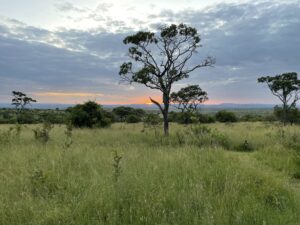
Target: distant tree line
93,115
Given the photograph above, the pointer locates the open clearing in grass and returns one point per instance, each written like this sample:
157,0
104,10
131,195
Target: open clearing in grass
188,178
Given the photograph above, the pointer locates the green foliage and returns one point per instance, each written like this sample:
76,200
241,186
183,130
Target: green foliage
161,181
188,98
33,116
205,118
89,114
152,120
122,112
186,118
292,115
25,117
286,87
225,116
190,118
41,185
282,85
11,135
69,134
42,134
150,66
203,136
133,119
117,166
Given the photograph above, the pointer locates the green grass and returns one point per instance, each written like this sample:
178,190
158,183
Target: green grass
187,178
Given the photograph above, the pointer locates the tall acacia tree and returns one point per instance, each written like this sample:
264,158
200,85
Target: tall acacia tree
286,87
158,60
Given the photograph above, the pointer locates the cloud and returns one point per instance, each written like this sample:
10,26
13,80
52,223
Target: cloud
68,94
69,7
248,40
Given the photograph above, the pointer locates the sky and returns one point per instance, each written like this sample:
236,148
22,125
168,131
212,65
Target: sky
61,51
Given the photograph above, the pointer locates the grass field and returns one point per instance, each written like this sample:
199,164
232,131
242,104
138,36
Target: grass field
226,174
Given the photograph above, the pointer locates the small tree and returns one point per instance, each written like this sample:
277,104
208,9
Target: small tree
286,87
188,99
161,59
225,116
89,114
20,100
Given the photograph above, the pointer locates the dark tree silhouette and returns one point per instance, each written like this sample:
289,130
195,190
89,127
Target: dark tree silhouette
20,100
161,59
286,87
187,99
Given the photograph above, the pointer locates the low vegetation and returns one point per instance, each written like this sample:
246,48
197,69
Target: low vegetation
221,173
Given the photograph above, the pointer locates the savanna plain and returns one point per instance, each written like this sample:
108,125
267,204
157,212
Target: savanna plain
221,174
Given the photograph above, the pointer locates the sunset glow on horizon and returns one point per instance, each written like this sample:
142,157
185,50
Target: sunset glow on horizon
81,97
70,51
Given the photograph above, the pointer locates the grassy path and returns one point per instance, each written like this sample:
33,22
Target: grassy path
249,162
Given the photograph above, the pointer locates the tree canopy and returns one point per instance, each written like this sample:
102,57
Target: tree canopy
160,59
187,99
286,87
20,100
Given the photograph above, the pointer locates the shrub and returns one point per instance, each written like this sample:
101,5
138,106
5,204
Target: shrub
225,116
89,114
152,119
133,119
186,118
174,116
292,116
42,134
204,136
251,118
25,117
204,118
122,112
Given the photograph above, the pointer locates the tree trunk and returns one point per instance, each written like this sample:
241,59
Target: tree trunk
166,100
164,111
166,123
285,112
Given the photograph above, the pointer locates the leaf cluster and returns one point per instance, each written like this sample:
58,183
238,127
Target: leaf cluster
188,98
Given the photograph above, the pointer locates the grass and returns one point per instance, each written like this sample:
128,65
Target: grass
128,175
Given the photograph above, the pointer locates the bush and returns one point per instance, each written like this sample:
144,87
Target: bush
89,114
174,117
133,119
25,117
204,118
42,134
186,118
152,119
292,116
225,116
203,136
122,112
251,118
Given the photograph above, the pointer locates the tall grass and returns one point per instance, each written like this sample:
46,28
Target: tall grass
187,178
